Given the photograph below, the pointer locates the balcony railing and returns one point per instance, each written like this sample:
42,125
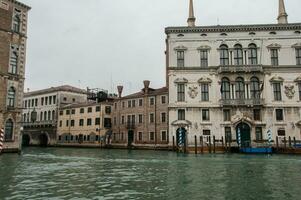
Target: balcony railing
130,125
40,123
242,102
240,68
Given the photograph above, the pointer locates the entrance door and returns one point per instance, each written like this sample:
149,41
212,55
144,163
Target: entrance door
181,137
43,140
25,140
245,134
130,138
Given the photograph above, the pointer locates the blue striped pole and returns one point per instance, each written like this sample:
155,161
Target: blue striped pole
269,136
238,137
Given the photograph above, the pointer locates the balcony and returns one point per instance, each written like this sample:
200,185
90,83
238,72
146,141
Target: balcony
130,125
40,123
242,102
240,69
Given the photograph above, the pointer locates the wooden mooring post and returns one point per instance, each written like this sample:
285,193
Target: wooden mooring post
284,142
277,143
295,143
173,143
214,144
195,145
210,151
226,143
202,144
290,142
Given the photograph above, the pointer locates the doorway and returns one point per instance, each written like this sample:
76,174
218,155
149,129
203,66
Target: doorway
43,140
25,140
245,134
130,138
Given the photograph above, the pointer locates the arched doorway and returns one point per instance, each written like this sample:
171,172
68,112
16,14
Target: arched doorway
43,140
245,134
130,138
26,140
181,135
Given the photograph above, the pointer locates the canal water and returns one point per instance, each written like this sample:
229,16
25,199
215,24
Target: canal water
51,173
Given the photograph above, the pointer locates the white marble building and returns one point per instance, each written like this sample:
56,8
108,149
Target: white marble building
225,78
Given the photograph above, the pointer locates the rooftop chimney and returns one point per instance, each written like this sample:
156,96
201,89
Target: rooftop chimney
146,86
120,89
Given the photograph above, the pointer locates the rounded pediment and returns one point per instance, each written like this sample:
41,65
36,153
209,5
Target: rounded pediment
204,80
181,80
276,79
204,47
298,79
274,46
180,48
297,45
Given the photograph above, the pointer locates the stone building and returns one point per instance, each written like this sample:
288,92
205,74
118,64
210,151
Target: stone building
227,79
85,124
13,36
44,105
140,120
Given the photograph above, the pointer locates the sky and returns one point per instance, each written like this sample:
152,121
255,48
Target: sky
105,43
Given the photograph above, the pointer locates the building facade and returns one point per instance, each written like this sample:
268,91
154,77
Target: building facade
87,124
13,36
40,116
225,80
140,120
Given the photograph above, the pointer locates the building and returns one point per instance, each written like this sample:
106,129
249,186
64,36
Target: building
230,79
13,37
86,124
140,120
40,112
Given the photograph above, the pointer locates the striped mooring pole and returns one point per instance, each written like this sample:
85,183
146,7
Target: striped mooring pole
1,139
269,137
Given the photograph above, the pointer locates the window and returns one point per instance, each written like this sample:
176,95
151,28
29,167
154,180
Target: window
8,131
151,118
181,114
227,115
281,132
42,101
204,58
274,57
73,111
277,91
11,96
115,106
97,121
140,136
72,122
180,58
205,92
181,92
299,85
225,88
238,55
36,102
61,123
228,134
240,88
255,88
50,100
89,109
89,122
108,109
279,114
13,67
61,112
53,115
140,118
258,132
97,109
122,120
205,115
163,99
298,56
151,101
25,103
206,132
81,122
133,103
257,114
151,136
32,103
67,123
129,104
82,110
67,112
17,21
45,116
252,54
123,104
163,136
163,117
73,100
115,120
46,100
224,55
65,99
54,99
140,102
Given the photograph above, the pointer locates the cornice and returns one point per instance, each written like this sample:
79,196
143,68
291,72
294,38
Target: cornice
20,4
234,28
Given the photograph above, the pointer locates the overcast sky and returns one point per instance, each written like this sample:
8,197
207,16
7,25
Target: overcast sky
104,43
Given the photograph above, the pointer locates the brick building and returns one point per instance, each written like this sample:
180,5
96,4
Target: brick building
140,120
13,36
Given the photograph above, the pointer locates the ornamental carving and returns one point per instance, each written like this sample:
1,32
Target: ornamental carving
277,79
193,91
204,80
274,46
180,48
181,80
290,91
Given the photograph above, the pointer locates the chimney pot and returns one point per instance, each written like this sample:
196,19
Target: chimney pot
120,89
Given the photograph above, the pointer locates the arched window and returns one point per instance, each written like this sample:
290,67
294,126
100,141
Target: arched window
252,54
49,115
41,116
240,88
11,96
238,55
16,23
53,115
24,117
224,55
45,116
255,88
13,63
9,129
225,90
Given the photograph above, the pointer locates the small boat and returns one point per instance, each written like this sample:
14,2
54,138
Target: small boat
256,150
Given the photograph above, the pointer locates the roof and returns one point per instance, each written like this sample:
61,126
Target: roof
234,28
63,88
20,4
151,92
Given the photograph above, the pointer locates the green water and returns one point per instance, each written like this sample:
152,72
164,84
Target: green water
116,174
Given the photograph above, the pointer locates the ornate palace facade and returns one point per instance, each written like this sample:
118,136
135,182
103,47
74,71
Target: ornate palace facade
236,78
